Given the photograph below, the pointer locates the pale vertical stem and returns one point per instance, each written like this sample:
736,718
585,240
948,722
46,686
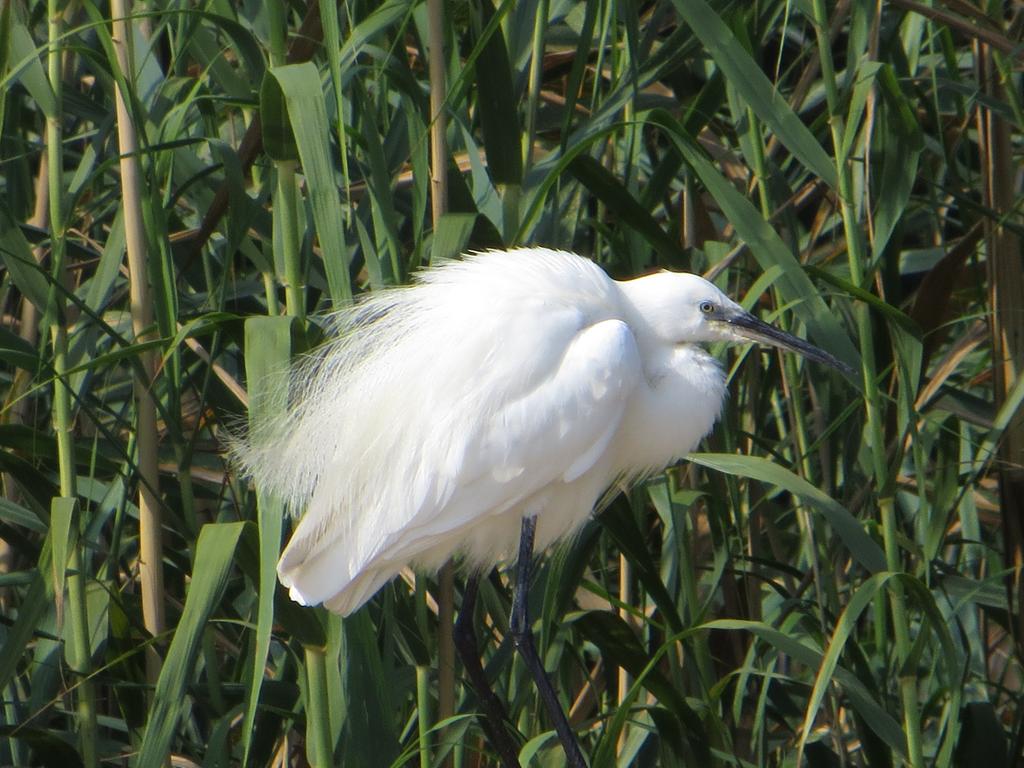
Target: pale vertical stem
438,207
132,188
438,121
626,597
62,420
860,278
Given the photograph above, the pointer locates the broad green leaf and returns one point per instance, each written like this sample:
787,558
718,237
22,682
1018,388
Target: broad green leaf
215,551
307,114
846,526
498,112
275,122
366,693
267,353
866,77
17,515
451,236
26,67
16,254
901,145
101,284
1012,403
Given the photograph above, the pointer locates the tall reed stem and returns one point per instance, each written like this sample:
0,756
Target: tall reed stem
132,187
319,750
80,649
438,207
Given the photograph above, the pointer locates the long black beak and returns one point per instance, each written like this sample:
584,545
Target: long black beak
746,326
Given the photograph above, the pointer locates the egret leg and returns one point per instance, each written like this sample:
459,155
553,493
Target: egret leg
495,721
519,626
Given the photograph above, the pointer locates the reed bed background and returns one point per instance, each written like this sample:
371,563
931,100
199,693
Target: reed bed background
185,189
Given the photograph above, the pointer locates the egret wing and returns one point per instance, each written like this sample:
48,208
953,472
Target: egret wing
552,434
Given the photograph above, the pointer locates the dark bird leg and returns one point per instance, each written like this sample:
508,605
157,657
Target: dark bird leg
495,722
519,626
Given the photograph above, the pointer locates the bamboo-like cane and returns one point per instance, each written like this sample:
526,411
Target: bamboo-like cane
150,532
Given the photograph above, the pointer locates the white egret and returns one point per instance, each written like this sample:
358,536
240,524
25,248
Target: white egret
485,409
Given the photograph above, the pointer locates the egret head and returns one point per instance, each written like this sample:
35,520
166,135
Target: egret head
680,308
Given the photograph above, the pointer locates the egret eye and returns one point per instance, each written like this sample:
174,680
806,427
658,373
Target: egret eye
707,307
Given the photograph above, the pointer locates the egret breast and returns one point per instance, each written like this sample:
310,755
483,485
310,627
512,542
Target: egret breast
679,405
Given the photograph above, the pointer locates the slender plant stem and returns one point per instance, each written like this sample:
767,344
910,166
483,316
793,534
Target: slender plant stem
438,207
860,278
62,419
438,120
132,185
270,292
318,722
625,679
423,713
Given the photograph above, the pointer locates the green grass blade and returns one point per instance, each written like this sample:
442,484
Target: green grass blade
16,254
862,700
215,551
846,526
499,115
300,85
26,68
268,350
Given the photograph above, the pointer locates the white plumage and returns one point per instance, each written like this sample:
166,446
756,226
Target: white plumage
511,383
